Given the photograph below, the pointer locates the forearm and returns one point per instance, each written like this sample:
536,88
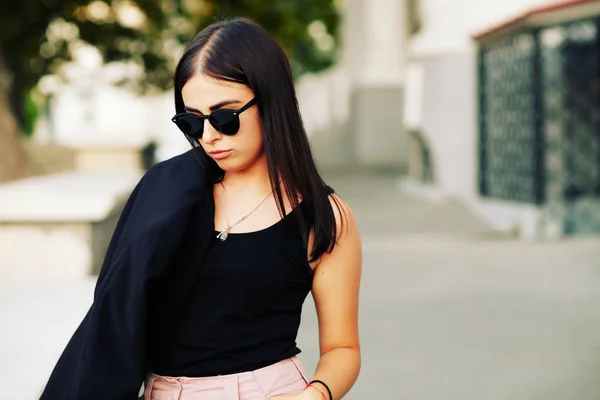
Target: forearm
339,369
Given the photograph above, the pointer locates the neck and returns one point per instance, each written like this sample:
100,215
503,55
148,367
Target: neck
254,178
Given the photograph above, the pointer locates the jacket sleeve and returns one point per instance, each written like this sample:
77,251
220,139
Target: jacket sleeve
105,358
115,245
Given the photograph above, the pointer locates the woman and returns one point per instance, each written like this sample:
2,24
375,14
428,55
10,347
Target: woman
203,283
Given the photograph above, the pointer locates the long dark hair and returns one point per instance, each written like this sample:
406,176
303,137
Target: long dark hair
239,50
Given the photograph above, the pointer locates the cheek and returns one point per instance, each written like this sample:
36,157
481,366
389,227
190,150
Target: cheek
252,135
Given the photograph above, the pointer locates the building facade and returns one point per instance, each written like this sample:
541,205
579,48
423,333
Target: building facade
502,111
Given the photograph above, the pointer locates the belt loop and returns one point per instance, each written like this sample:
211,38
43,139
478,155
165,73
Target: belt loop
231,389
180,388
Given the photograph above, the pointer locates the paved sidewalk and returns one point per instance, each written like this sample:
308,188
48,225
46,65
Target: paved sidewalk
457,320
447,311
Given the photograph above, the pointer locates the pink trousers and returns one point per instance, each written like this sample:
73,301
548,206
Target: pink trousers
284,377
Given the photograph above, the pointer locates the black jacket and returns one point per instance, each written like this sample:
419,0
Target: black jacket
157,247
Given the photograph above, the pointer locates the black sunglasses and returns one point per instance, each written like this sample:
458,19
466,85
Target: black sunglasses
223,120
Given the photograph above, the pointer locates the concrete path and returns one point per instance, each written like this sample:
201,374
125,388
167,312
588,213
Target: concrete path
448,310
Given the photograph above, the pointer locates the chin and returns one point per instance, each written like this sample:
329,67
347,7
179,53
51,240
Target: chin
235,167
235,164
228,165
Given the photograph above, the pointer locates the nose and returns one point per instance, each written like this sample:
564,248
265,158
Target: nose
210,134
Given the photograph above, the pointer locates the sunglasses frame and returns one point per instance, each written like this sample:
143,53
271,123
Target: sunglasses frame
209,117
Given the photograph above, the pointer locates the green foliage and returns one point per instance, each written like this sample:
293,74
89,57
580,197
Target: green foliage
37,36
31,109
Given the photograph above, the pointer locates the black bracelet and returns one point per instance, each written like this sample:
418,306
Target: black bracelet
326,387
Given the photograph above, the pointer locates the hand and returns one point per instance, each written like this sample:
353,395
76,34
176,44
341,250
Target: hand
310,393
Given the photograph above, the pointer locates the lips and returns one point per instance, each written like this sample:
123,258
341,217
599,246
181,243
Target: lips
219,154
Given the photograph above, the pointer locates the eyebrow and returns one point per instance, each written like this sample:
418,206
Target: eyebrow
214,106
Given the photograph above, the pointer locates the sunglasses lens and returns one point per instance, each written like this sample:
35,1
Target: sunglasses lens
225,121
190,124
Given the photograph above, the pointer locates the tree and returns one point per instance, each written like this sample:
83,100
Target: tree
38,36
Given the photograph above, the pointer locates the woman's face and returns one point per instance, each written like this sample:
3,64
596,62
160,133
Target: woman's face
203,95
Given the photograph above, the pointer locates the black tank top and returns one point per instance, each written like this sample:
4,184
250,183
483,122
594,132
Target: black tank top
244,313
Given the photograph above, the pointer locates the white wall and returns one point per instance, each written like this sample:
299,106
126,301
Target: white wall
90,112
449,24
340,105
447,55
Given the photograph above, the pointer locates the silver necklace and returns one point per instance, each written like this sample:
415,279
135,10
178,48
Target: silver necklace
224,233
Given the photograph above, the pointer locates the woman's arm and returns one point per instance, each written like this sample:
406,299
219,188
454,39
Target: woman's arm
335,290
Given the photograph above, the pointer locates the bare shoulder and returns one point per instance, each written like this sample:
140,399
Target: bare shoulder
347,242
345,221
347,237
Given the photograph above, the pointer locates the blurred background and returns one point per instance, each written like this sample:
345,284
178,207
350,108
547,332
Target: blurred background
465,134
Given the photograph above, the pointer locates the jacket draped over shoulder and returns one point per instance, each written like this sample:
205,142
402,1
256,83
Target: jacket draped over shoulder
169,213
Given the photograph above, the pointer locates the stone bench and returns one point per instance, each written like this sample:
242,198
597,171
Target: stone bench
60,225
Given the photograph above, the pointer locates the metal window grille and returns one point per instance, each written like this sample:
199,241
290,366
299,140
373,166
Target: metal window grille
539,120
